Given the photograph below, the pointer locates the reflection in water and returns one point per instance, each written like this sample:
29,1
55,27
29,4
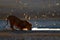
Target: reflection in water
45,29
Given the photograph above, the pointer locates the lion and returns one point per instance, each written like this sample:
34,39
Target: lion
20,24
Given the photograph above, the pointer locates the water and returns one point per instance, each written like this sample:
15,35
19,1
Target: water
35,24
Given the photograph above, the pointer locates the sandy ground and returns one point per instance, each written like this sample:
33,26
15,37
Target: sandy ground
29,35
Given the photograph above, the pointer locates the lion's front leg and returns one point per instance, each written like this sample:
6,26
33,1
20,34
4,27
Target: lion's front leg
11,26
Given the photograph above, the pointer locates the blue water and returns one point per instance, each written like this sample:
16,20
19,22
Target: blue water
35,23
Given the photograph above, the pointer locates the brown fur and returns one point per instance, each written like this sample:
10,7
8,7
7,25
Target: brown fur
21,24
